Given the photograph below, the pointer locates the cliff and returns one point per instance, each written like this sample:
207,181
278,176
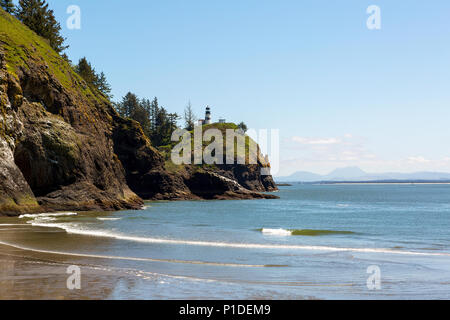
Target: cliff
64,147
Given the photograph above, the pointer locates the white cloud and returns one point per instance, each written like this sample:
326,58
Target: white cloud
419,159
316,141
323,154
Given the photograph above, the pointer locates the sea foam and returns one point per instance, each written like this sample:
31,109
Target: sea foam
44,215
276,232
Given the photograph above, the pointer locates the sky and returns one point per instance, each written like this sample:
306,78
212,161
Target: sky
339,94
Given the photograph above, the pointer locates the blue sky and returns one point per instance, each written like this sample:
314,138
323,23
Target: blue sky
341,95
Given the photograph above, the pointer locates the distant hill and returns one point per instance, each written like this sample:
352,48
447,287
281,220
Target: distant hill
345,173
356,174
301,176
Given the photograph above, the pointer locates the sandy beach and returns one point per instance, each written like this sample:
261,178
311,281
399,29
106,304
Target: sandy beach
26,275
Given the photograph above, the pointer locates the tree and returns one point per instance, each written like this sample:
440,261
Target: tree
127,108
36,16
242,126
8,6
189,117
102,85
86,71
157,124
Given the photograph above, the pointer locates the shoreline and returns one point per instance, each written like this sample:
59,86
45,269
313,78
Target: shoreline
29,275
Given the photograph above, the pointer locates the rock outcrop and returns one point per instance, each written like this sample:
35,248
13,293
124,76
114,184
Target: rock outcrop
64,147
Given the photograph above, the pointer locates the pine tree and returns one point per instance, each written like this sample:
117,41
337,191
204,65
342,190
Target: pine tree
86,71
36,15
102,85
8,6
242,126
189,117
156,122
128,105
97,81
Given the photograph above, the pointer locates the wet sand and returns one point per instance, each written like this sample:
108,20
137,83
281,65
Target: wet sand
34,276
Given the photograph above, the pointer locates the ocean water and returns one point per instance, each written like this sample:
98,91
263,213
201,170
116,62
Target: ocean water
316,242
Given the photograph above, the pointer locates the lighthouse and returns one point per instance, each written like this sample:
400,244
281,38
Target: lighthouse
208,115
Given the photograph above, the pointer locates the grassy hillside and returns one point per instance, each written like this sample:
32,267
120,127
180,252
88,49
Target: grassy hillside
20,45
222,127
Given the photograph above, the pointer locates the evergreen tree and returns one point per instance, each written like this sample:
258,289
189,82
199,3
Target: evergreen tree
8,6
156,122
36,15
98,81
128,105
86,71
242,126
189,117
102,85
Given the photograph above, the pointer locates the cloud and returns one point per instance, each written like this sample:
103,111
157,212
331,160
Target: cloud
323,154
419,159
316,141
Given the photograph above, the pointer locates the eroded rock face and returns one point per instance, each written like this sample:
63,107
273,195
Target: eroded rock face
15,194
56,147
248,176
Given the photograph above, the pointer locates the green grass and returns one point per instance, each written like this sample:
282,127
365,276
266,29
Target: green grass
22,46
222,127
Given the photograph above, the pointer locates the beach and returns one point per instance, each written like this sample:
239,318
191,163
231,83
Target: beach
26,275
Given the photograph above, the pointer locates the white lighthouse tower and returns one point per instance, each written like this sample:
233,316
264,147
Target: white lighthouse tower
208,115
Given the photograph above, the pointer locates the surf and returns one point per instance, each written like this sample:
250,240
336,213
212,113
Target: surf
302,232
84,255
71,228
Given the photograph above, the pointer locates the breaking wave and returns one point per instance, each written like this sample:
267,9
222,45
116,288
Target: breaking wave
84,255
47,215
73,228
301,232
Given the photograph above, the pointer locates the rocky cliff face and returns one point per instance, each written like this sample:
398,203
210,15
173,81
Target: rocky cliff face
57,148
64,147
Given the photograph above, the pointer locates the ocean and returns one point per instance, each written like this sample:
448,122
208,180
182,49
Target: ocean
315,242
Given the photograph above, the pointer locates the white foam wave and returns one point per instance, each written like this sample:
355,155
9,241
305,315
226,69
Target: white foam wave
109,219
277,232
84,255
75,229
46,215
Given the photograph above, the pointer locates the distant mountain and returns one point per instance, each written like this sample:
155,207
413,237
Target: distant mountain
356,174
346,173
301,176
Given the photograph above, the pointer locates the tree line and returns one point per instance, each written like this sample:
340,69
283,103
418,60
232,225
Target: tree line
157,123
